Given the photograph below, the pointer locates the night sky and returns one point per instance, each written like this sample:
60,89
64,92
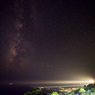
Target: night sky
45,40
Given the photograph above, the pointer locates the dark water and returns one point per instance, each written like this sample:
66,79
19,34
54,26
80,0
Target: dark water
20,90
14,90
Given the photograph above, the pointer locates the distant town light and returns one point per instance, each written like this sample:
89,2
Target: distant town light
10,83
92,81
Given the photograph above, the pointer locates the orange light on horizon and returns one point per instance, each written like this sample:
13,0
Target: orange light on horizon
10,83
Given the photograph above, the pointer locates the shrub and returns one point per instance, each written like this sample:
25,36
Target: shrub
36,92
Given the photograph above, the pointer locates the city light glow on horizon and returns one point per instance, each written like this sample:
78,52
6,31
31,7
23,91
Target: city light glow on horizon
54,82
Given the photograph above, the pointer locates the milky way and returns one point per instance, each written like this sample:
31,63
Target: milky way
18,46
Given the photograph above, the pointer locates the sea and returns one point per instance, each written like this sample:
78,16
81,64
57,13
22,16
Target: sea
15,89
21,89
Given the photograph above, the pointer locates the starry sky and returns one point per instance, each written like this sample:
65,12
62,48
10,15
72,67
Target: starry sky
47,40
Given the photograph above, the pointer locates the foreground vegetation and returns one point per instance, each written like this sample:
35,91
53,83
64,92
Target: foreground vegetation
36,92
86,90
39,92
